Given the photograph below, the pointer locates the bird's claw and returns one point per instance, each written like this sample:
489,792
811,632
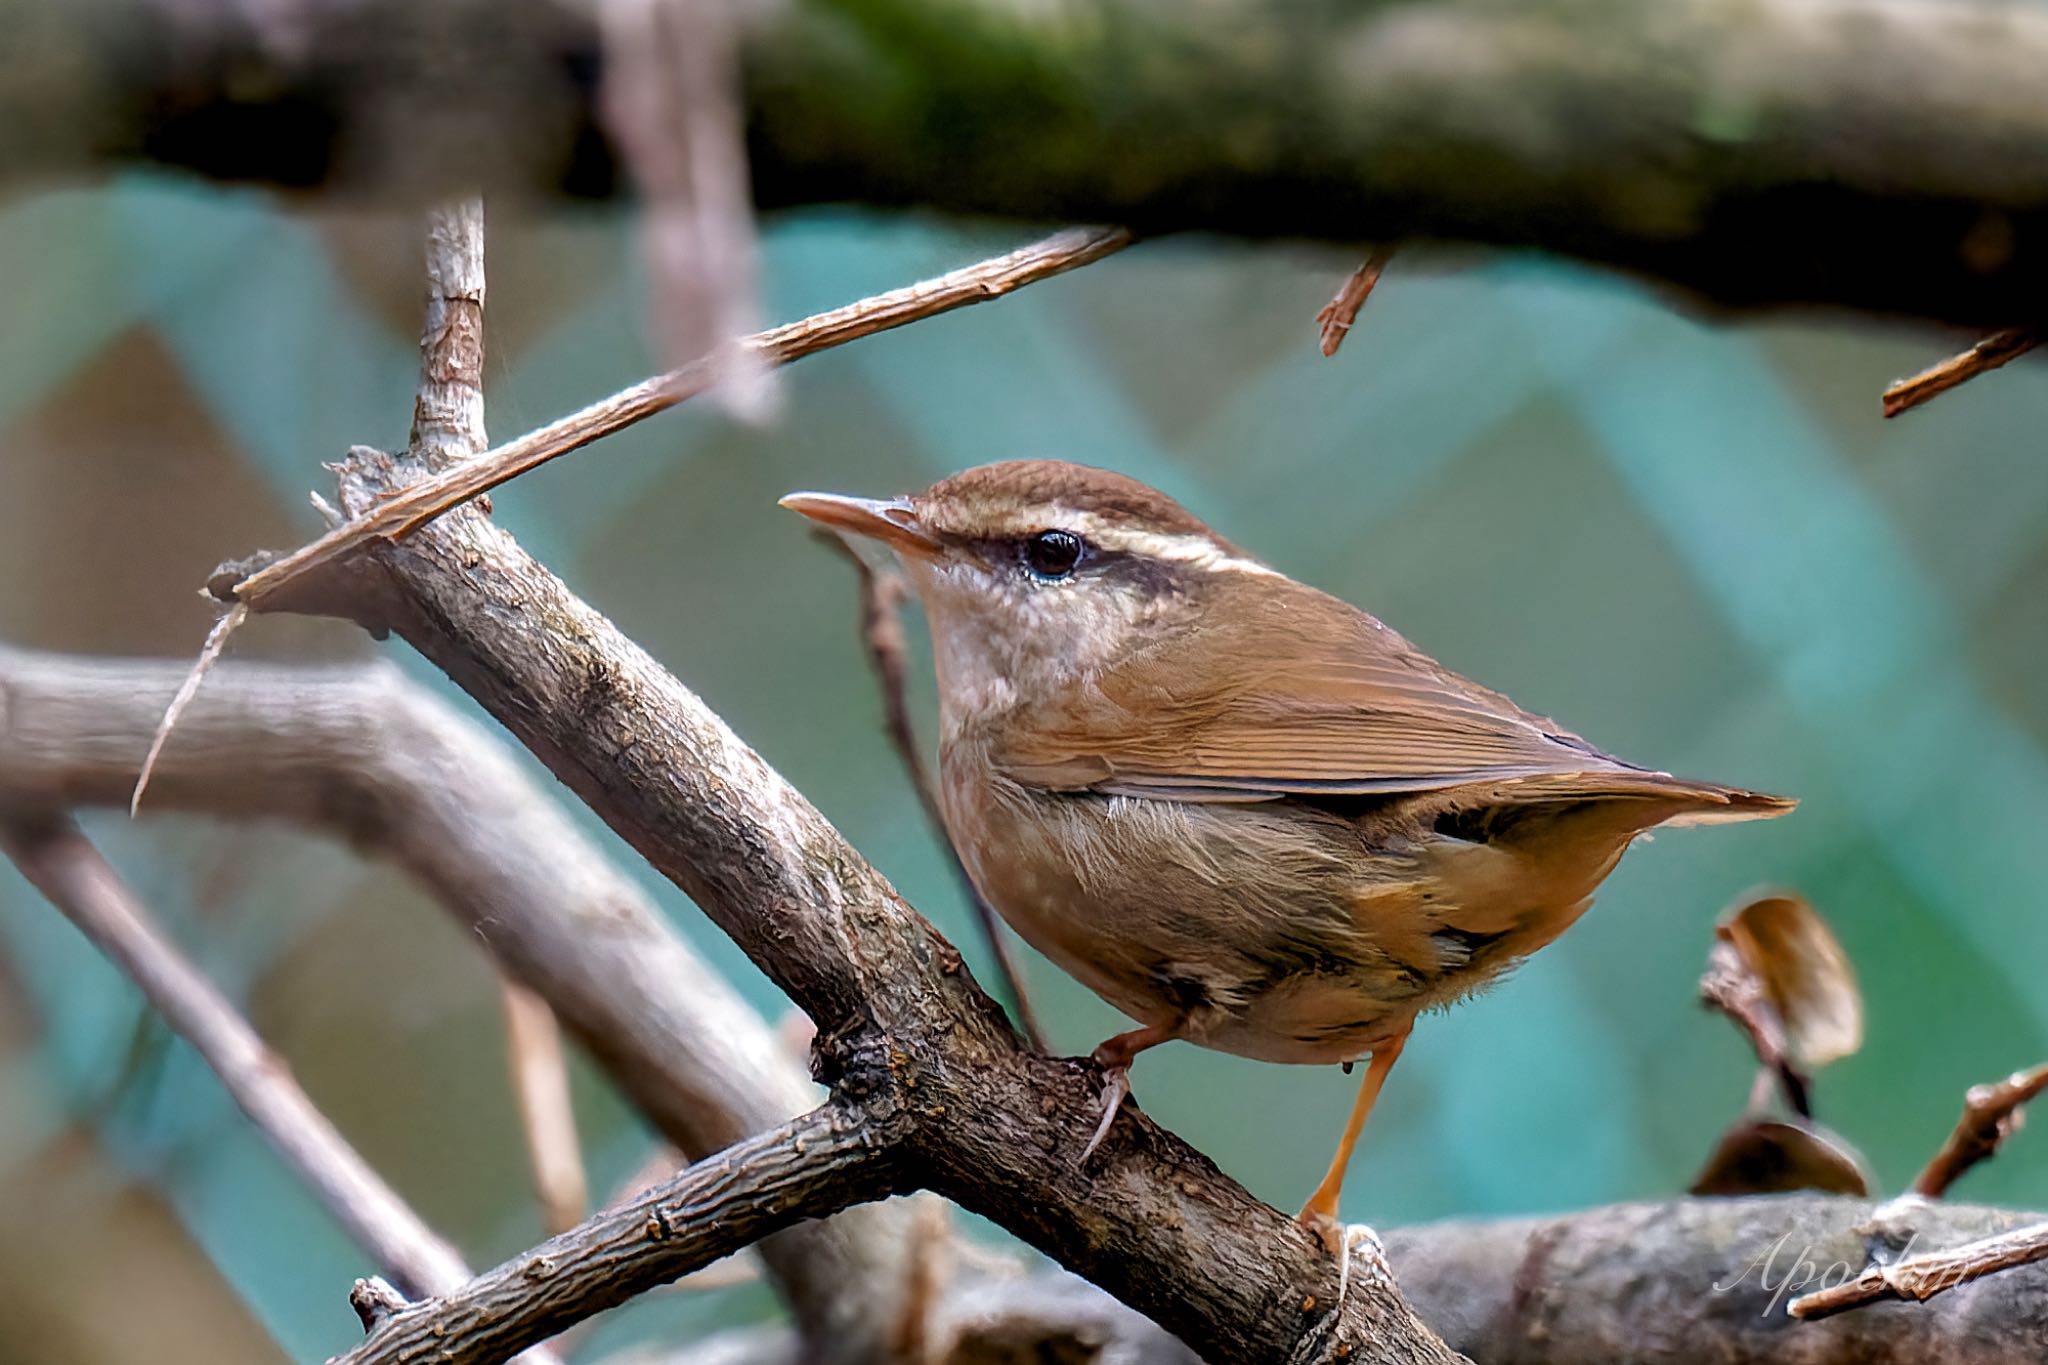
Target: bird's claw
1116,1084
1322,1341
1356,1235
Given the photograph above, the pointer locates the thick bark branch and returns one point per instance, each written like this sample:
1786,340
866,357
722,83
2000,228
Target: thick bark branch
1687,1282
811,1167
1709,1281
903,1030
362,754
1882,154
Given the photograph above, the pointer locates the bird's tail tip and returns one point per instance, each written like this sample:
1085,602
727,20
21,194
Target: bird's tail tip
1728,805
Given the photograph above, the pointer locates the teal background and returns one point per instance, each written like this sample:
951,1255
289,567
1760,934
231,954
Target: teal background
1694,541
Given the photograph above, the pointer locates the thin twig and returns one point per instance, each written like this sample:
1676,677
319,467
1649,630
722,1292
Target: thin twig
447,415
540,1077
1732,986
1922,1277
447,429
374,1300
927,1276
66,868
1341,311
810,1167
413,506
448,407
364,755
672,100
882,595
1991,1113
1993,351
228,623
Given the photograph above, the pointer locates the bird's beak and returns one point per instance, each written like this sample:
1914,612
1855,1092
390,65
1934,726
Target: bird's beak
893,521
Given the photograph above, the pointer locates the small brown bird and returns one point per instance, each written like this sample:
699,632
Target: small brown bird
1241,811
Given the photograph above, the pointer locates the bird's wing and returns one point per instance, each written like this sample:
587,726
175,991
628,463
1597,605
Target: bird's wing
1294,693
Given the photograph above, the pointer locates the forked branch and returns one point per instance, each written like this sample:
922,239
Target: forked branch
412,506
363,755
1991,1114
902,1029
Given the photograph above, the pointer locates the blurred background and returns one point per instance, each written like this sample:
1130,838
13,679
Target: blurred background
1696,543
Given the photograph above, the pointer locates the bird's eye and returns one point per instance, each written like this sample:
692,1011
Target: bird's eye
1052,555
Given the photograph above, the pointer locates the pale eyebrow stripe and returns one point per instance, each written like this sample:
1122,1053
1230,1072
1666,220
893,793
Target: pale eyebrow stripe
1184,548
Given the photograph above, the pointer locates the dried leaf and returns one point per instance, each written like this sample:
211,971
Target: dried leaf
1803,973
1771,1156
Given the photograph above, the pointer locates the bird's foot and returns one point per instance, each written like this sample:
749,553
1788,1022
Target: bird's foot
1323,1223
1116,1084
1339,1238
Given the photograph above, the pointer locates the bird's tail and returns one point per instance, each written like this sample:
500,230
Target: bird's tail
1696,803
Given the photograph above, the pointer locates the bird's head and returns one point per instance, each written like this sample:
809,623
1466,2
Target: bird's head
1033,572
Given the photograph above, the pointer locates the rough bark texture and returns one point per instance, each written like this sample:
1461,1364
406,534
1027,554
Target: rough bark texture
904,1034
1883,154
448,408
808,1168
1708,1280
1691,1282
360,753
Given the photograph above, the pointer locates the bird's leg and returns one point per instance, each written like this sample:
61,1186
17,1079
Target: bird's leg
1320,1214
1114,1057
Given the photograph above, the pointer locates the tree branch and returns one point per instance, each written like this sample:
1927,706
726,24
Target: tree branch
447,428
540,1078
671,100
1708,1282
2000,348
409,508
1885,155
1991,1114
70,873
901,1026
355,750
448,410
1919,1278
1684,1282
810,1167
1335,320
364,755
